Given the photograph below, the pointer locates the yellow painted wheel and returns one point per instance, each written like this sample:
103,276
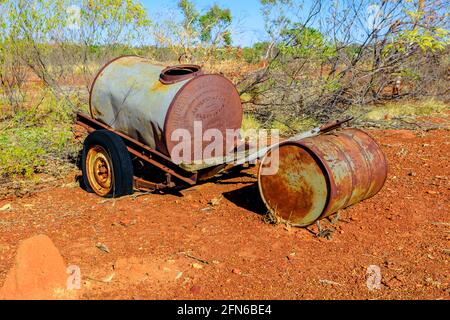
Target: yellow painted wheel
99,170
106,165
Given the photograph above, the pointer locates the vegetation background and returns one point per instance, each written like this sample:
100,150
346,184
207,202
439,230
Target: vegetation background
386,62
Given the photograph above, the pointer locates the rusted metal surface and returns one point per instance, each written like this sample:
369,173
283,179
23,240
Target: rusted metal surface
319,176
148,102
141,151
210,99
257,153
144,185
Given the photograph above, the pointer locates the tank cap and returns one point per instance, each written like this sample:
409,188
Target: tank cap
179,73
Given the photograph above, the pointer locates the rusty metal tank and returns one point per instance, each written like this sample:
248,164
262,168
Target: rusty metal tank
149,102
318,176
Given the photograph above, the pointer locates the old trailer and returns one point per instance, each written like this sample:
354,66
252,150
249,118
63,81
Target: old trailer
137,107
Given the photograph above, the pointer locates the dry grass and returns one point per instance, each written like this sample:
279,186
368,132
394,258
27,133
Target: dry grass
407,109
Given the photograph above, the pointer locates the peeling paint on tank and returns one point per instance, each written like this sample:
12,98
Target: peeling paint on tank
132,98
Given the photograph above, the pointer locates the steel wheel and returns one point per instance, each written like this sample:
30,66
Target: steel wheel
99,170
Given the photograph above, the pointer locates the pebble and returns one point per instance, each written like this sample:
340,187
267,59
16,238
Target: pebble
195,289
197,266
6,207
236,271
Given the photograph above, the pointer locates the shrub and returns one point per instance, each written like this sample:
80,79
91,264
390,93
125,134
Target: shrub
32,138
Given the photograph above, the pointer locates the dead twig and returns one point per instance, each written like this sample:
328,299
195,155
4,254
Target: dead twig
187,254
325,281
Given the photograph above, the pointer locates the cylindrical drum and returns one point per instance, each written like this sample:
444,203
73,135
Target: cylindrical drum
316,177
149,103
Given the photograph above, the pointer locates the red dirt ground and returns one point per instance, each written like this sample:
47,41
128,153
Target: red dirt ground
170,247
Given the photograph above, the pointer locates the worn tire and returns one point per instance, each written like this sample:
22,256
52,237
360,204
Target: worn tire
119,160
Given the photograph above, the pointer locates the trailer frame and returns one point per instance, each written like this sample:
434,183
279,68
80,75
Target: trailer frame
174,174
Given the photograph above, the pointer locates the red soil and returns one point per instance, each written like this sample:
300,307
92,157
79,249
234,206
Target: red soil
177,246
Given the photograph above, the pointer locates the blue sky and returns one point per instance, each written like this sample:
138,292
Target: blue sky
247,12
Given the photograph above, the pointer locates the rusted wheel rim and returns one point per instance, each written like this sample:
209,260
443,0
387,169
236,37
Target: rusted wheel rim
99,170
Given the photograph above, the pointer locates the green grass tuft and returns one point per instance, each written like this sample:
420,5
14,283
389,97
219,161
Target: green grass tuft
405,109
33,137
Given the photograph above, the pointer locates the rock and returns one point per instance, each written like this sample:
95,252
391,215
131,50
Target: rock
431,282
215,202
71,185
109,278
291,256
6,207
195,289
329,282
236,271
127,222
197,266
38,273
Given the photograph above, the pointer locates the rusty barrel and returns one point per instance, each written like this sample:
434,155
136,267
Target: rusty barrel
318,176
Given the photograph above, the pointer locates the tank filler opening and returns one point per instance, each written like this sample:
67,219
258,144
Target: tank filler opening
179,73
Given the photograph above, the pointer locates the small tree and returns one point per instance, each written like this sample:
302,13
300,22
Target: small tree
56,40
324,59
